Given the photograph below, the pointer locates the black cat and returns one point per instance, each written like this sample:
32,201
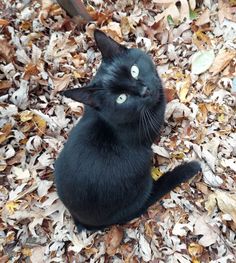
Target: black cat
103,172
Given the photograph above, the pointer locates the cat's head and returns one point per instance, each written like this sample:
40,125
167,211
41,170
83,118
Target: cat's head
125,84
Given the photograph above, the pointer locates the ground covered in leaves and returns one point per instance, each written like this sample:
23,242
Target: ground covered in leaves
42,53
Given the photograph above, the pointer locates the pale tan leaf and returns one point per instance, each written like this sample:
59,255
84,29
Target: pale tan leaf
222,60
224,200
204,18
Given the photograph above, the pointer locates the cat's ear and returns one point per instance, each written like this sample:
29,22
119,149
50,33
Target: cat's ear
85,95
107,45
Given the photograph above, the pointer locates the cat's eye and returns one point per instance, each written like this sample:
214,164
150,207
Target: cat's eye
134,71
121,98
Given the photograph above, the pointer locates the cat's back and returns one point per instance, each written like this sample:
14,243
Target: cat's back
94,149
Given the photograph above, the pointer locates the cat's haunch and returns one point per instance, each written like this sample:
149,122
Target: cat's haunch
103,173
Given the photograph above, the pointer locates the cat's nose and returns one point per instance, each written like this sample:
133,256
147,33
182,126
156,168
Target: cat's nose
145,91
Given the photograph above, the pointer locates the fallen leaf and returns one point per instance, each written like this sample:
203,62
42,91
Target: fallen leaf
178,110
26,251
224,200
4,22
11,206
126,25
209,87
195,250
184,89
60,83
40,123
20,96
202,61
34,144
26,115
202,227
225,11
7,152
20,173
145,250
169,94
160,151
43,187
113,239
5,132
6,50
204,18
37,253
222,60
5,84
156,173
181,230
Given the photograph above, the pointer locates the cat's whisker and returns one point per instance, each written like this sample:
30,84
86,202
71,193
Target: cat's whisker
143,125
153,125
157,123
140,128
146,126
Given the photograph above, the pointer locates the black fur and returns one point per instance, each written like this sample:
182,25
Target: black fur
103,172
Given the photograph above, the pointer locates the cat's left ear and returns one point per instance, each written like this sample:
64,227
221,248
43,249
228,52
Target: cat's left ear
84,95
108,47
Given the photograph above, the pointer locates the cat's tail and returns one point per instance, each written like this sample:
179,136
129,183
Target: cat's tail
171,179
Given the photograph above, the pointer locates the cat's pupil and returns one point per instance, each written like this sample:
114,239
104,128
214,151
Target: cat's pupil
121,98
134,71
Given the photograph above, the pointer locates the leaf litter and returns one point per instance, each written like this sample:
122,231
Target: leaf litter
193,45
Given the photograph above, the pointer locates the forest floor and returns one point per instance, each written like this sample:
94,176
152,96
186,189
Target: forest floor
42,53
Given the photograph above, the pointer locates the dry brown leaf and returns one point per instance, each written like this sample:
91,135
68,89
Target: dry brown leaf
5,84
225,11
204,18
17,158
183,91
4,22
4,259
30,70
222,60
5,132
202,116
113,239
113,29
203,227
209,87
224,200
60,83
172,10
26,115
195,250
40,123
6,50
169,94
126,25
44,12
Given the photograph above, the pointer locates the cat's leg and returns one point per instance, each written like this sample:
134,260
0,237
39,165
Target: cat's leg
171,179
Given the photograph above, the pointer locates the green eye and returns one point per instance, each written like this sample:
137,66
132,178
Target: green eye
134,71
121,98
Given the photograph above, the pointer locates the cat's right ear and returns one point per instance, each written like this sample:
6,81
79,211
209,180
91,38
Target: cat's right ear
107,45
83,95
